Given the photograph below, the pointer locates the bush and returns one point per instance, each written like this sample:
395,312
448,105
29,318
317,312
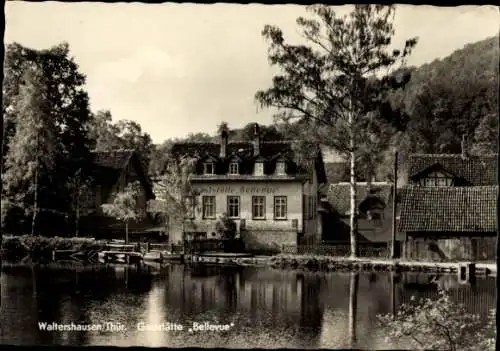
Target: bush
439,324
226,227
43,246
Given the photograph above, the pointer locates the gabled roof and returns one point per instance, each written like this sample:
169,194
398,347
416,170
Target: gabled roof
108,165
449,209
269,151
339,195
475,170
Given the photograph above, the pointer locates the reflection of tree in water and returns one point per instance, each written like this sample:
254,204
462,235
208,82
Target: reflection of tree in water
311,316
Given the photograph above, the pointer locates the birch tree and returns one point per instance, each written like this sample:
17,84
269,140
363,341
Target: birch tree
33,147
124,207
335,85
178,198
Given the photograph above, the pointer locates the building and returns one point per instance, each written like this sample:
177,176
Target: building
374,201
111,172
266,188
449,208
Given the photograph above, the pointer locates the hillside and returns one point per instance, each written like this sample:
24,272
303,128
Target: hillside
444,100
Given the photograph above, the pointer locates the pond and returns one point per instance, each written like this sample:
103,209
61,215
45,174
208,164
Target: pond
258,307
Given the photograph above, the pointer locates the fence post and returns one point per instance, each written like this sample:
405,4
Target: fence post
282,248
148,246
172,248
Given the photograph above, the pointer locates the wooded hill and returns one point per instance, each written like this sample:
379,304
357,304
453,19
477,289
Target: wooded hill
444,100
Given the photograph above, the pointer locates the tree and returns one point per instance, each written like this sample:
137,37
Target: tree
179,198
66,112
80,189
124,207
486,135
32,149
438,324
336,86
123,134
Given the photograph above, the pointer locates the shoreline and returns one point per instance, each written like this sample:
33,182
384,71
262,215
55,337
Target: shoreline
289,262
331,264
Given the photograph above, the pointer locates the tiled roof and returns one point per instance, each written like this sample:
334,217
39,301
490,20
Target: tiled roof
108,165
475,170
269,151
339,195
449,209
112,159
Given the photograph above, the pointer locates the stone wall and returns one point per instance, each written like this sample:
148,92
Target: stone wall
268,241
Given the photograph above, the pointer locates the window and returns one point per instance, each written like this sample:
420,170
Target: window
208,206
258,207
209,168
437,179
234,168
280,168
280,207
233,206
259,168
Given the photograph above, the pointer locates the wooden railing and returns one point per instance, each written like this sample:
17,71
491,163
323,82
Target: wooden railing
338,250
215,245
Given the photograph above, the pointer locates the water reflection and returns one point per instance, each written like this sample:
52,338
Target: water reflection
269,308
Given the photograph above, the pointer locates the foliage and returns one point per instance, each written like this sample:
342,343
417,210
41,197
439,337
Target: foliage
124,134
439,324
225,227
81,192
338,86
178,198
40,245
450,97
124,206
43,86
33,147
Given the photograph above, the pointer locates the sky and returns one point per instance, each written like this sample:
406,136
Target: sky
183,68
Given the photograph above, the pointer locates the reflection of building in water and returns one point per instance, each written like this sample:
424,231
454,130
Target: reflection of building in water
267,299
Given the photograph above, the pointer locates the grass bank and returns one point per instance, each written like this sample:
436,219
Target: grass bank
37,247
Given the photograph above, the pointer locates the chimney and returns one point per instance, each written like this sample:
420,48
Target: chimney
465,152
256,140
223,143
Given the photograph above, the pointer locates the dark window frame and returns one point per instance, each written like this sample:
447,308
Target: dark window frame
229,206
285,204
263,205
205,203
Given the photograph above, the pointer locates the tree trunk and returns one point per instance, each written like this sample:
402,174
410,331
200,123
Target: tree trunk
35,204
354,211
126,232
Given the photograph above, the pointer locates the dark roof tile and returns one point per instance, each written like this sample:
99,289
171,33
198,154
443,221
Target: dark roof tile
475,170
449,209
269,151
339,195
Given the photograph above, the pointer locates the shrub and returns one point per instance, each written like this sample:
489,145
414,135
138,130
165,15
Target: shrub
439,324
43,246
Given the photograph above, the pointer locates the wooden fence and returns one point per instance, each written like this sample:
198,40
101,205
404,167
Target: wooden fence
373,250
215,245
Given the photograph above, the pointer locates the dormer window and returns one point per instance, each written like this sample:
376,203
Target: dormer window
234,168
259,168
437,179
280,168
209,168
